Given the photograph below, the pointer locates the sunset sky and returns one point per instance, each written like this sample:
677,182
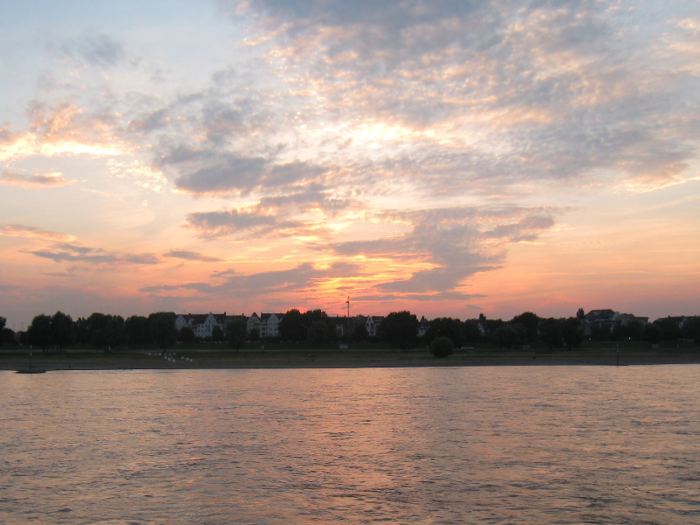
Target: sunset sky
445,156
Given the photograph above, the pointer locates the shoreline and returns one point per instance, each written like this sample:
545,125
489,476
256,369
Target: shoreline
281,360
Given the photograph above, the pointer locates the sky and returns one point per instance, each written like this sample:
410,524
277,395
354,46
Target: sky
446,157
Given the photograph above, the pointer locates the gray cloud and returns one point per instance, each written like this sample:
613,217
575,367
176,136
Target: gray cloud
67,252
97,50
454,240
151,121
35,181
213,172
272,215
229,172
280,282
231,222
190,256
422,297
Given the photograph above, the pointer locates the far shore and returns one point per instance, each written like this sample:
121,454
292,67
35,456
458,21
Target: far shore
179,359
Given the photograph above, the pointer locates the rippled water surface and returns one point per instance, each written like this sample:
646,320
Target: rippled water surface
423,445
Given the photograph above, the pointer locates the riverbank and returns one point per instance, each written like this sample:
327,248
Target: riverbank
224,359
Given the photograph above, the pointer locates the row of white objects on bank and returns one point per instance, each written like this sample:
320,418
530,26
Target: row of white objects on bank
172,357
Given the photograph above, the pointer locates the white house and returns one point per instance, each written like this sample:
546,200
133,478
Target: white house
267,325
201,324
374,325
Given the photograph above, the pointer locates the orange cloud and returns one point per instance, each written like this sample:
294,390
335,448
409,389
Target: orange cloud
48,180
17,230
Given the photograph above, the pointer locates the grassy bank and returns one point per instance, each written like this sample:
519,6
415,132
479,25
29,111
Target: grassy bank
278,355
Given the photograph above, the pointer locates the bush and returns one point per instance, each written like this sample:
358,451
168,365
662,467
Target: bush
441,346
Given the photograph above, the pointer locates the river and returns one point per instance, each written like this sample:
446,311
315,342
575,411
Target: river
497,445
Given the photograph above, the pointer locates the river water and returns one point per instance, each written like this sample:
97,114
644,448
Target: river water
504,445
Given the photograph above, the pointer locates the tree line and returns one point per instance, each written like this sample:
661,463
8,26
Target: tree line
315,327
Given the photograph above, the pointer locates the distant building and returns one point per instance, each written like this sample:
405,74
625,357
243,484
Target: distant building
607,319
266,324
423,326
201,324
374,325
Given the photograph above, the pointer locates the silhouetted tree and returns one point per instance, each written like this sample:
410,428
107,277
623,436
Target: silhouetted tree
137,329
62,329
292,326
446,327
601,332
81,328
531,323
441,346
313,316
7,336
186,335
511,335
491,326
163,331
360,333
217,334
624,332
552,332
318,332
114,332
236,333
651,333
39,332
401,329
691,329
254,335
472,333
670,331
572,333
97,322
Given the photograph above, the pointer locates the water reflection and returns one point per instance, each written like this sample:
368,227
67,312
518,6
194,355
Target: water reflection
434,445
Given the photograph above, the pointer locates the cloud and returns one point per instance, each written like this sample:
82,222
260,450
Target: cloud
100,50
67,252
18,230
50,180
190,256
207,172
67,129
454,243
420,297
151,121
231,222
548,91
281,281
228,173
272,214
527,228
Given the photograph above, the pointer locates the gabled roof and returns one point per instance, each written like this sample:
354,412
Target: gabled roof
601,315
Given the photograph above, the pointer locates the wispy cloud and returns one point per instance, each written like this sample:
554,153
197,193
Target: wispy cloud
454,244
100,50
258,284
67,252
18,230
35,181
190,256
